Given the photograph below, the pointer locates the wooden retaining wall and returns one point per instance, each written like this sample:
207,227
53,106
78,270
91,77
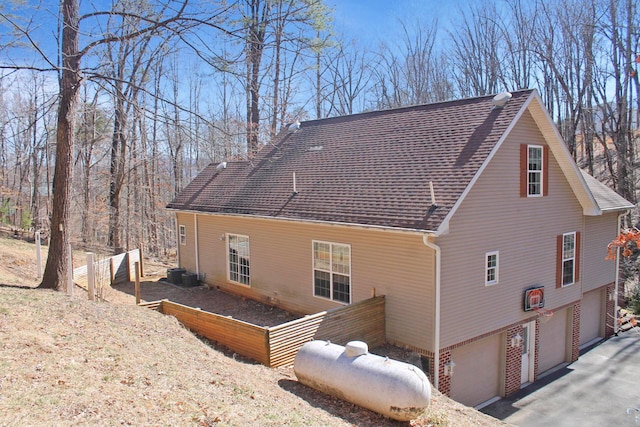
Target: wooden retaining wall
362,321
278,345
244,338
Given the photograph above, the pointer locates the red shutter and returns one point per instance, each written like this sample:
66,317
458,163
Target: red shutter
545,171
577,258
559,262
524,167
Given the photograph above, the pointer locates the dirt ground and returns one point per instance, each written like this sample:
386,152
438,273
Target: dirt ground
278,394
208,299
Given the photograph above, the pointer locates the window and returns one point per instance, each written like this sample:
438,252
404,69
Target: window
332,271
182,231
492,268
534,171
568,259
238,253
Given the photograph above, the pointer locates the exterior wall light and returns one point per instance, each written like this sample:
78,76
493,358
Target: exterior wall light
448,368
516,341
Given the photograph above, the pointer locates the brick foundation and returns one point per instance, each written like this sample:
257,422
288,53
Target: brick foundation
513,362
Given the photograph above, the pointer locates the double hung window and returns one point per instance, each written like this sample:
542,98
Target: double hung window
491,277
239,258
568,259
534,171
332,271
182,231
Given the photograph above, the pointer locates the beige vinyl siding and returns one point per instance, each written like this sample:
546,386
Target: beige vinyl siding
494,217
397,265
591,315
599,232
186,253
476,376
553,341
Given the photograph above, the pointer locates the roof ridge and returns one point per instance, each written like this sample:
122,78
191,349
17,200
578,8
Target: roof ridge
403,108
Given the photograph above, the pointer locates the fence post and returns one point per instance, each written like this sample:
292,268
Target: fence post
137,287
112,272
38,254
141,261
70,275
91,276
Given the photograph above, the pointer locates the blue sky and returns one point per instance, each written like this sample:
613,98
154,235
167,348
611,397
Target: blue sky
374,20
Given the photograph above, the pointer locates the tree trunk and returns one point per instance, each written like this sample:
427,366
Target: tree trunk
56,270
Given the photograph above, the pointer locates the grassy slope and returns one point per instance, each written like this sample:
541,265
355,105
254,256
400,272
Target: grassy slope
68,361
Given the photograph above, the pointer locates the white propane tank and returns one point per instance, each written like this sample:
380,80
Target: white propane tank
395,389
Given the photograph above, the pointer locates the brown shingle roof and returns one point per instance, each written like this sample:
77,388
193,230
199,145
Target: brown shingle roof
606,198
368,169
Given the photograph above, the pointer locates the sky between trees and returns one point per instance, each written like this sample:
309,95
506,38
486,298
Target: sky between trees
167,87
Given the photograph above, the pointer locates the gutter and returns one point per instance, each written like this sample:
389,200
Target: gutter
436,336
617,278
310,221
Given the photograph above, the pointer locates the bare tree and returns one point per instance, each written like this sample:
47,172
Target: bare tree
620,27
349,76
476,51
56,269
172,17
413,72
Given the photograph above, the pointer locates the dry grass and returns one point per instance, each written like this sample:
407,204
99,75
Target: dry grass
67,361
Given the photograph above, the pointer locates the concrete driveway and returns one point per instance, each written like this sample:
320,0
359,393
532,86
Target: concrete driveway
601,389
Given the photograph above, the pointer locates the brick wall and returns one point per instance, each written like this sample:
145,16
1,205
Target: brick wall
444,382
536,357
575,333
610,316
513,362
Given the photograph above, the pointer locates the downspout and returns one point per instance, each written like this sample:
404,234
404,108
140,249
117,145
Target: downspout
179,249
436,335
195,241
617,280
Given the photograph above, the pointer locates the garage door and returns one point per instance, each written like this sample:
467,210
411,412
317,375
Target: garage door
553,341
476,376
590,316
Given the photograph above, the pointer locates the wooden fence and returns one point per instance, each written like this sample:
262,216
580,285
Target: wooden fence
277,346
111,270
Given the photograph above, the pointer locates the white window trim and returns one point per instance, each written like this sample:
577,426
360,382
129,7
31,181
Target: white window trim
313,269
573,258
540,172
496,268
227,235
182,234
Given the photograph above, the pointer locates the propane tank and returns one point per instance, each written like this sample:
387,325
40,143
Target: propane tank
389,387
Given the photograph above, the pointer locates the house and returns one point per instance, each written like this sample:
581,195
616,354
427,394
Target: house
470,216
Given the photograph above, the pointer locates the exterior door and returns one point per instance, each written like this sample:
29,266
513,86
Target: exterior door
528,348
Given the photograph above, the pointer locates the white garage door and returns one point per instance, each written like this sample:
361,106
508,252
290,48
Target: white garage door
590,316
476,376
553,341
